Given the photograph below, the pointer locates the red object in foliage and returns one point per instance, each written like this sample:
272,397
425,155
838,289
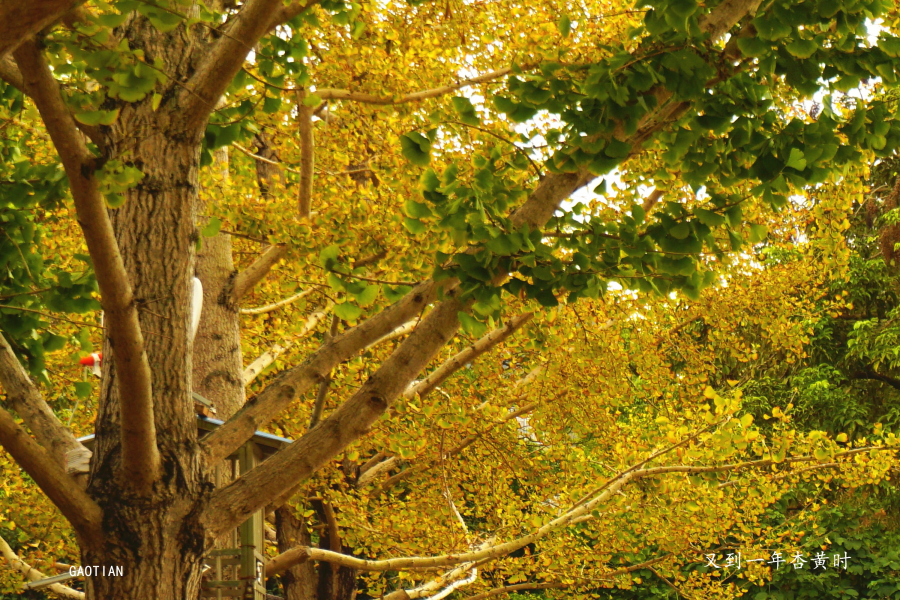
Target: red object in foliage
91,360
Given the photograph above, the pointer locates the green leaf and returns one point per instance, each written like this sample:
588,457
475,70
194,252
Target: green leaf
796,160
84,339
367,296
312,101
752,46
758,233
802,48
890,45
154,101
471,325
114,200
683,8
638,212
414,226
97,117
271,105
336,283
212,227
416,148
465,110
709,218
546,298
347,311
83,389
111,20
328,257
429,181
680,231
564,25
54,342
417,210
394,294
503,245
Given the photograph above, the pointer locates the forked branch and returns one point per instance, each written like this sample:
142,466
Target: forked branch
289,385
81,511
439,375
249,277
19,20
28,402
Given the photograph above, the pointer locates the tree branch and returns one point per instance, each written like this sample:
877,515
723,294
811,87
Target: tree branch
578,513
276,305
28,402
290,384
399,332
334,94
322,392
520,587
439,375
10,73
140,456
874,376
307,155
249,277
221,63
81,511
268,357
550,585
20,20
32,574
422,467
229,505
280,473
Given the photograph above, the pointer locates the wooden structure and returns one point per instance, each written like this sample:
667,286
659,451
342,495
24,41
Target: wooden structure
238,570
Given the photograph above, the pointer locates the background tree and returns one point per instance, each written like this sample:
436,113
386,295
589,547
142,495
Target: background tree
161,122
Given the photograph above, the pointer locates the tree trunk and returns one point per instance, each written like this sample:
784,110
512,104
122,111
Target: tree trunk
218,363
157,539
299,582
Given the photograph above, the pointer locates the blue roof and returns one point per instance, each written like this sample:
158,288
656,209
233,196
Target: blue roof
260,437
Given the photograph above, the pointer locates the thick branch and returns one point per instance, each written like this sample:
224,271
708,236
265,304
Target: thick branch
27,401
10,73
249,277
140,456
32,574
439,375
290,384
230,505
281,472
227,56
874,376
81,511
20,20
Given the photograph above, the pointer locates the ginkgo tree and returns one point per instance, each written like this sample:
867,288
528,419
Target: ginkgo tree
418,176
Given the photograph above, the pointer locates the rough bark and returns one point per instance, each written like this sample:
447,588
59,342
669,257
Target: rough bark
217,361
20,19
299,581
156,535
